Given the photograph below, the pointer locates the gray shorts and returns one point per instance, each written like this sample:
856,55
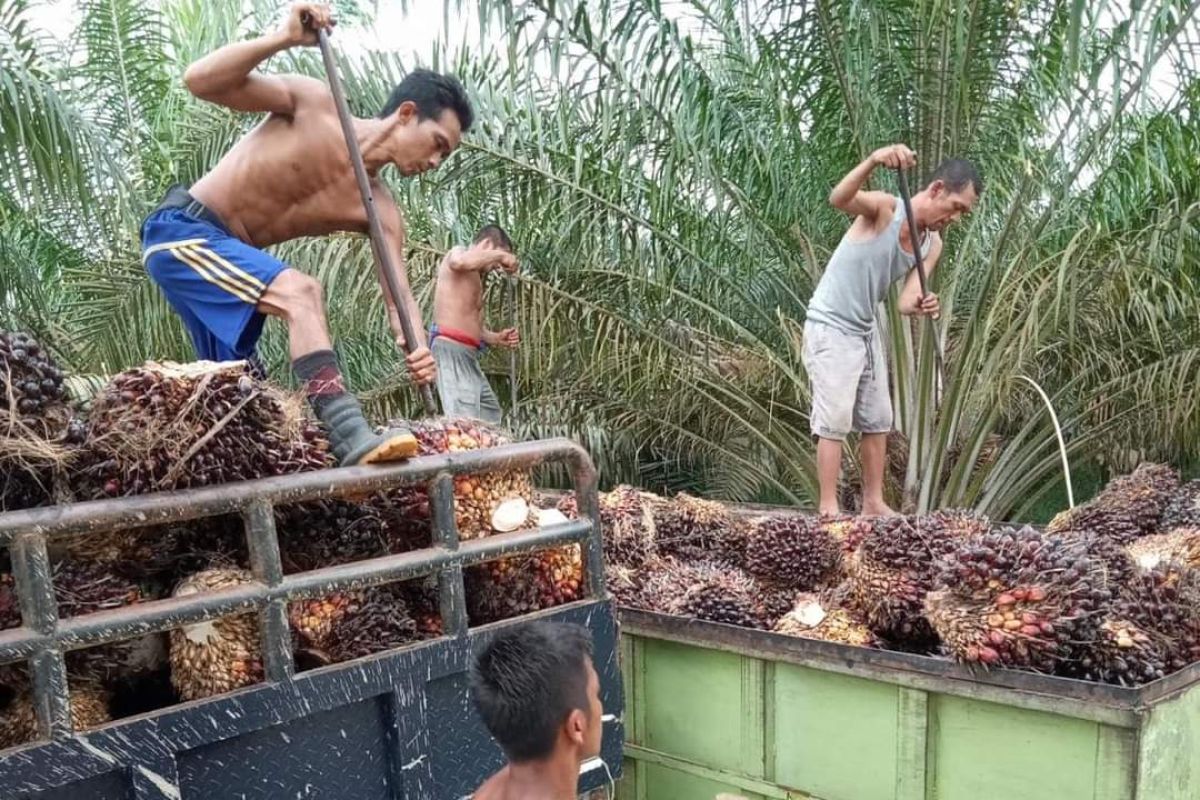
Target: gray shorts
849,381
461,384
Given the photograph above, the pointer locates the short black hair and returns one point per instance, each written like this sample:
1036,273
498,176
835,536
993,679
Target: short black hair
497,235
432,93
526,683
956,173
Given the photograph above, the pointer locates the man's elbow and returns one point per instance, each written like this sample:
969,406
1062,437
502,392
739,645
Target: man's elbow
196,81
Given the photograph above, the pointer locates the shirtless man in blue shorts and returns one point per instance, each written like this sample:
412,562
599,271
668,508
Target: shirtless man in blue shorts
287,178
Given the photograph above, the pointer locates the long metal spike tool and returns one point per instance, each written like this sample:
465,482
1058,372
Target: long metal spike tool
510,302
383,259
913,236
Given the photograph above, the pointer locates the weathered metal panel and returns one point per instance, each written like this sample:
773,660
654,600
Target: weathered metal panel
339,753
1169,749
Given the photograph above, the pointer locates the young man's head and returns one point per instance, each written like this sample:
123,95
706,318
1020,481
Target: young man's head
433,113
493,237
538,693
952,192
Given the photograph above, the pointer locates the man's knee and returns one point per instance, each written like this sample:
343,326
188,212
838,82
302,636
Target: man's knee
296,295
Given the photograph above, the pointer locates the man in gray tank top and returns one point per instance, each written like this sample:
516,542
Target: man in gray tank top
843,354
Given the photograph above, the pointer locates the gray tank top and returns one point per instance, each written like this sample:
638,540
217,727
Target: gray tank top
858,277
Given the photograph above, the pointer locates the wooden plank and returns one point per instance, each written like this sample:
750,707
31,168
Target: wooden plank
1169,750
1116,755
752,717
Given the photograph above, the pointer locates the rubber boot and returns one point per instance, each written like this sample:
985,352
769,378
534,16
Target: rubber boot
352,440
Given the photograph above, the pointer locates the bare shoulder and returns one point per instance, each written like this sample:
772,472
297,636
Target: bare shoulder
308,92
390,215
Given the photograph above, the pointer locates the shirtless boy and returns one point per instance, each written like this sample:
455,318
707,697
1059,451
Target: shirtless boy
291,177
458,335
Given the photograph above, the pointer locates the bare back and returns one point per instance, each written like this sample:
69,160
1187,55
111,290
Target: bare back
458,299
288,177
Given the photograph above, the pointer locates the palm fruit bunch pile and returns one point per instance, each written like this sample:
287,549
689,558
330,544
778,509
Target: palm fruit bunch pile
36,422
694,528
90,707
822,616
1128,507
168,426
794,551
848,531
220,655
516,585
1018,598
890,574
1183,508
476,497
627,522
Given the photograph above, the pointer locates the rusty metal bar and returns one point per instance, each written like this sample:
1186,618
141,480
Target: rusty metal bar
452,593
43,637
39,613
267,567
159,615
163,507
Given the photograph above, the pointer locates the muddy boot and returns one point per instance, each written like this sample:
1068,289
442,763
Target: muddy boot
352,440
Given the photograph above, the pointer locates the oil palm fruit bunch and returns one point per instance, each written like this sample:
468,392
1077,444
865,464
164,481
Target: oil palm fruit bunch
814,616
10,608
704,530
890,574
172,426
216,656
1129,506
311,620
507,587
168,552
848,530
792,550
378,621
1116,560
1181,545
1123,653
958,522
624,584
476,497
1017,597
36,425
422,598
719,593
1183,507
627,523
89,709
1165,602
83,588
325,533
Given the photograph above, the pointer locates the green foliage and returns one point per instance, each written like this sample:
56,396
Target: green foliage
665,167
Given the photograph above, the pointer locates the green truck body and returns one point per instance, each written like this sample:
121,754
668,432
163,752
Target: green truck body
718,711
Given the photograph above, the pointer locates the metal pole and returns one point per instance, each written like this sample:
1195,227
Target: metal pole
510,294
382,257
917,257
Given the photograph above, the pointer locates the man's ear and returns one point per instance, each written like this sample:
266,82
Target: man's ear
937,188
576,726
406,111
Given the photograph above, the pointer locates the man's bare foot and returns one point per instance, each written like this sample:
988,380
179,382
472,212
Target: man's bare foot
829,511
877,510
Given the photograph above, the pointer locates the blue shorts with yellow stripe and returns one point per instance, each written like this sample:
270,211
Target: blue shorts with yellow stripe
212,279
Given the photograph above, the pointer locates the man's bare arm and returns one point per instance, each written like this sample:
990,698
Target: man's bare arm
392,222
481,260
910,296
226,76
849,196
